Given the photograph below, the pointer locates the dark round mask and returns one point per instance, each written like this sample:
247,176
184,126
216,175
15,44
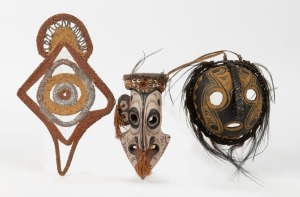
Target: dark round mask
225,99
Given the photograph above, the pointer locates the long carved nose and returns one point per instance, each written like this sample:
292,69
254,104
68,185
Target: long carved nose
143,144
143,137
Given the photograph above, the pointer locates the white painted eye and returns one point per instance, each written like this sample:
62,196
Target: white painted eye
251,94
216,98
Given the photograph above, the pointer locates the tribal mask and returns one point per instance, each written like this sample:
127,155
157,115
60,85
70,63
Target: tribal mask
68,95
237,112
229,102
144,142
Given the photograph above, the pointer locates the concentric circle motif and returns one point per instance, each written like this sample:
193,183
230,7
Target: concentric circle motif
64,110
65,94
57,94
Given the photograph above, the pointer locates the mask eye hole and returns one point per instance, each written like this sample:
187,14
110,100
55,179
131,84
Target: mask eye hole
152,120
251,94
216,98
133,118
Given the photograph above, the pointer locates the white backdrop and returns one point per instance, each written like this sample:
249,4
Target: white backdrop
262,31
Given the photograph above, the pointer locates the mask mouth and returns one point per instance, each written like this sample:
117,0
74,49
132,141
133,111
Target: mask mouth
234,125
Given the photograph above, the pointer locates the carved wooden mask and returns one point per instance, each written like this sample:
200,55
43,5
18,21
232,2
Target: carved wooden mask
143,142
228,101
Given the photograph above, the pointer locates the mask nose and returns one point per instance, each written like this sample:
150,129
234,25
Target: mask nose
237,92
143,140
145,144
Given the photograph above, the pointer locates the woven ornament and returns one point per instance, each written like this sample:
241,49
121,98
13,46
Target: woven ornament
64,99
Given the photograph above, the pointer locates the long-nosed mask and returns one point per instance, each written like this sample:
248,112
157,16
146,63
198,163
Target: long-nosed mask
143,141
